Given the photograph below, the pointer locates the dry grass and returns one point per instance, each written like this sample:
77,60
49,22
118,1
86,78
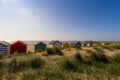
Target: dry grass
53,66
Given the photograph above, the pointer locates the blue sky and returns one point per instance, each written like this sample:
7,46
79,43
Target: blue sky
60,20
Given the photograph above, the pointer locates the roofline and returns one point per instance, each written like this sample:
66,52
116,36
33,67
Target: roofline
18,41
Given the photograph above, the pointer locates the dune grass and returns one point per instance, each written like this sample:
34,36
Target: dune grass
95,65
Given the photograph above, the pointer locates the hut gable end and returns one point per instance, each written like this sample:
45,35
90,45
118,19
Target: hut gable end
19,47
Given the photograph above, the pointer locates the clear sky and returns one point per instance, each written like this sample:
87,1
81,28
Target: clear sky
60,20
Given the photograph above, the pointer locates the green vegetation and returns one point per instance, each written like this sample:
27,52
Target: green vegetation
94,64
54,51
1,56
78,47
98,49
18,65
51,51
116,58
69,65
108,47
112,46
37,63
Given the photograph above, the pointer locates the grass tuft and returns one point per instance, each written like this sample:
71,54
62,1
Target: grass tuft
37,63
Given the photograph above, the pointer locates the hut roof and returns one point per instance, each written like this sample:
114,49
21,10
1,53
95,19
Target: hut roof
35,42
5,43
54,42
19,41
40,42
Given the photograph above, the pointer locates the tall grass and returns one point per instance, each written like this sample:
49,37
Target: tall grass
37,63
54,51
98,49
90,52
69,65
108,47
15,66
100,57
51,51
18,65
94,64
1,69
11,77
29,75
53,74
112,46
44,74
116,58
80,57
1,56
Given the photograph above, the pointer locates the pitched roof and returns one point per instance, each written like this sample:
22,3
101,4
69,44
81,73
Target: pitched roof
19,41
54,42
40,42
5,43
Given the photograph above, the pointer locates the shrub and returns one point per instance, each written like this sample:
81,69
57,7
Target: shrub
79,57
99,57
107,43
37,63
69,65
83,59
51,51
58,51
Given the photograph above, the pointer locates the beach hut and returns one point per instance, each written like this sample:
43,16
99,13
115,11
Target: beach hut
4,47
83,43
40,46
18,47
75,44
30,46
89,43
55,44
72,44
65,45
78,44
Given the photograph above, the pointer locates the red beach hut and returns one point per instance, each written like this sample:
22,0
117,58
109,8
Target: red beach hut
18,47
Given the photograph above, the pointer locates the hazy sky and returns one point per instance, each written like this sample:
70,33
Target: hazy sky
59,19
